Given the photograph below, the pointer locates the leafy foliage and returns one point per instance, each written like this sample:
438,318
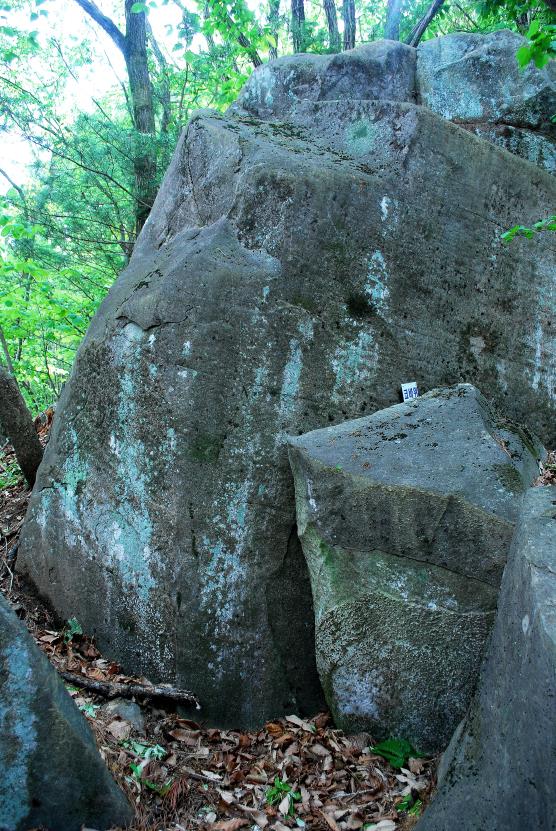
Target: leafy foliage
395,751
71,629
522,231
278,791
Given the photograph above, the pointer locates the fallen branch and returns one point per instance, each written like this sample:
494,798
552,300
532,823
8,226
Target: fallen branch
113,689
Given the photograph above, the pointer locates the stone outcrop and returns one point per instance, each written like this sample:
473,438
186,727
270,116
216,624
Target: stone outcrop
382,71
291,275
52,775
405,518
473,80
500,768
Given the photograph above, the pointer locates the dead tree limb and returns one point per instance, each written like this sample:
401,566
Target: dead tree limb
114,689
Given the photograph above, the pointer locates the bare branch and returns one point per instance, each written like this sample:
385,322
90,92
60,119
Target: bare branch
108,25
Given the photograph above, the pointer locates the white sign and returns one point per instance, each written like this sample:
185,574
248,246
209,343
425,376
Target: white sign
410,391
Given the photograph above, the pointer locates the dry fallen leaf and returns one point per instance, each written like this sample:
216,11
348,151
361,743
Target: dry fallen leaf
120,729
284,806
230,824
330,821
305,725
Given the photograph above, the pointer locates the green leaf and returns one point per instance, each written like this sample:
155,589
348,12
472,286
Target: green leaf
523,55
72,628
137,8
395,751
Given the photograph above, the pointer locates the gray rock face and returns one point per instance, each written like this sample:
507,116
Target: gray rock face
290,275
476,78
500,769
52,774
382,70
537,147
405,518
127,711
470,79
475,81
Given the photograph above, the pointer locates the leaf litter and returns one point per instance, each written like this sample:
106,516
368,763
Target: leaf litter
181,775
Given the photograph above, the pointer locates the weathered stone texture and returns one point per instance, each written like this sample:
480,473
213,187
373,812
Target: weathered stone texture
52,775
500,768
290,276
405,518
476,78
473,80
382,71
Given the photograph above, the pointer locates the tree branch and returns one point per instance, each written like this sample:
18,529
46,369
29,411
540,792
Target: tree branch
13,184
108,25
421,27
113,689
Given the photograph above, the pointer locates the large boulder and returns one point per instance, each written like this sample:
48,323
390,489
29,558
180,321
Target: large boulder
383,70
471,79
405,518
290,276
500,768
52,775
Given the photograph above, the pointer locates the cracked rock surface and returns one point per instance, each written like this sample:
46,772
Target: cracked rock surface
500,767
405,518
292,273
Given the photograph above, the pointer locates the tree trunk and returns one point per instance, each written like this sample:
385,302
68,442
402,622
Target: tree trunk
332,21
348,15
133,46
274,23
144,163
298,25
393,15
421,27
16,422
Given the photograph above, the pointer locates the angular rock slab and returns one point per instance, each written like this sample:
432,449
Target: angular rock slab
285,280
52,775
500,768
406,518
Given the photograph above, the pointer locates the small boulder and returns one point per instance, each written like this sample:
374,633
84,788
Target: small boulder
127,711
406,518
52,774
500,769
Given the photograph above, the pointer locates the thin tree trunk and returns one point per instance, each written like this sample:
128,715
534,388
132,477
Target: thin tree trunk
133,46
421,27
144,163
165,97
393,15
332,21
6,351
298,25
16,422
274,23
348,15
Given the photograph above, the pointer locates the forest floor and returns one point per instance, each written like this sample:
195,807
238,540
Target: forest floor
182,775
